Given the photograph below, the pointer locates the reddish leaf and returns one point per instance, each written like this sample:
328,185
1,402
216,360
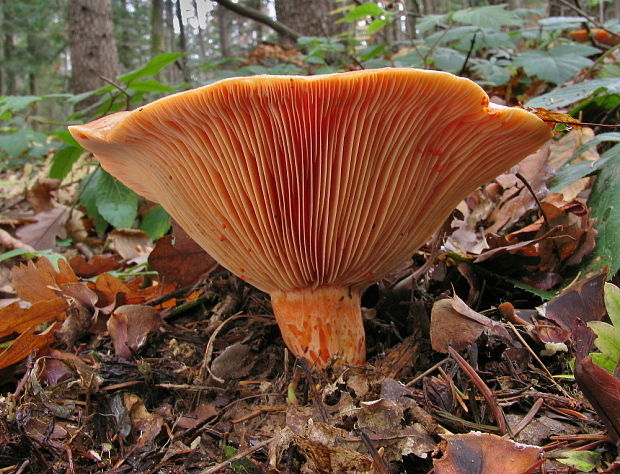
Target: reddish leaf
129,325
14,319
486,453
179,259
95,266
580,301
107,288
602,391
36,281
27,342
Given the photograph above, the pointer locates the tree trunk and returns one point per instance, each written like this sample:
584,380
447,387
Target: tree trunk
309,18
92,46
125,50
169,22
8,51
157,27
182,43
223,30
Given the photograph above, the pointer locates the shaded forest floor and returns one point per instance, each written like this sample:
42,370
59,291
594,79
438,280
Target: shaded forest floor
180,366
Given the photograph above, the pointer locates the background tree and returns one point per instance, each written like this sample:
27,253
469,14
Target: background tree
309,18
94,57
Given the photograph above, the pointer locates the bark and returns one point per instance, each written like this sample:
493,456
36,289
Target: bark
8,51
182,43
92,45
309,18
169,39
157,27
223,30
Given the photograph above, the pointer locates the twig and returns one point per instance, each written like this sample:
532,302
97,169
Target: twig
587,17
527,418
377,460
486,392
537,359
471,50
260,17
237,457
315,395
209,349
426,372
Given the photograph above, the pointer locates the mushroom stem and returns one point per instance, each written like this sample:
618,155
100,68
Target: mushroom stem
322,325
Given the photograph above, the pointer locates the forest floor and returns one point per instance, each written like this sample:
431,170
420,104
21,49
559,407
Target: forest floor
112,366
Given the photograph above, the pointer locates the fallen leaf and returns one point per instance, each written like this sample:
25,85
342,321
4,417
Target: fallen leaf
602,391
40,281
196,417
108,287
179,259
15,319
129,325
41,194
130,243
145,425
582,300
27,342
50,224
95,266
455,324
486,453
232,362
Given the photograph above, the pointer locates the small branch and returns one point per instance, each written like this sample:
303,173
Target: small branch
471,50
260,17
587,17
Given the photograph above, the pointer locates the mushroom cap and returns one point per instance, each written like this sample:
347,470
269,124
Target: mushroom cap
301,182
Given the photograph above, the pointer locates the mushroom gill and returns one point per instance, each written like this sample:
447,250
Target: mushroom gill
312,188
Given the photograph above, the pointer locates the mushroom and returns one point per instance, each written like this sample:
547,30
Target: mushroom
313,188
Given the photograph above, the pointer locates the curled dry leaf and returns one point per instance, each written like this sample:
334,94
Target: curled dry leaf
455,324
41,194
129,326
15,319
486,453
179,259
131,244
144,425
602,391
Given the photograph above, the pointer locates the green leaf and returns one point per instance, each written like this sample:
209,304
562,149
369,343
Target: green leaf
15,144
65,137
585,461
362,11
63,160
152,67
447,59
116,203
612,303
376,25
561,22
88,199
492,16
151,85
15,103
156,223
565,96
607,340
571,172
605,204
428,22
557,65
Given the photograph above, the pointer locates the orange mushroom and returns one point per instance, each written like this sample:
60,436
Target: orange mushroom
312,188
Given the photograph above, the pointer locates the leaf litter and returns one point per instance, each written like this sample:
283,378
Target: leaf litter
108,368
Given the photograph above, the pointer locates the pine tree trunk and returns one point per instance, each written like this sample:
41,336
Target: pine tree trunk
169,39
223,30
182,43
92,45
157,27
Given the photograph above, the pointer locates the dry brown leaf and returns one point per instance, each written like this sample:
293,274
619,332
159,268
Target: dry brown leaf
146,426
41,194
196,417
15,319
486,453
179,259
130,243
50,224
8,242
129,326
107,288
40,281
455,324
95,266
27,342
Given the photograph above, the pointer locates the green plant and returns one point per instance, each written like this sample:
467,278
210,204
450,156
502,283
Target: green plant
608,335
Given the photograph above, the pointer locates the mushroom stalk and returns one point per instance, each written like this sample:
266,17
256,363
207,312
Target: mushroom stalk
322,324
